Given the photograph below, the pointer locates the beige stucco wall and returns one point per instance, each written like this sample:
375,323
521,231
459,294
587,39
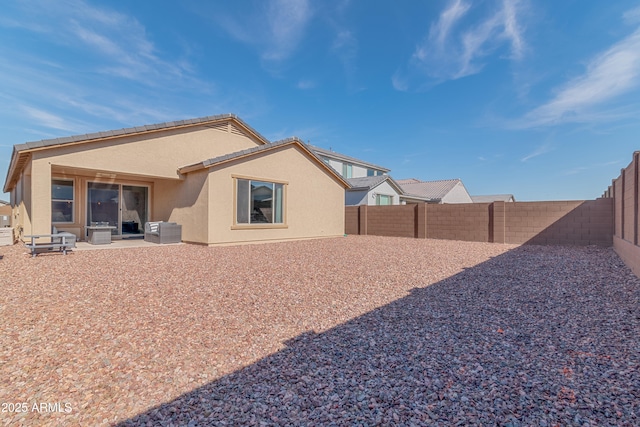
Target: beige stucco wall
40,212
314,199
203,200
156,154
187,203
151,159
21,205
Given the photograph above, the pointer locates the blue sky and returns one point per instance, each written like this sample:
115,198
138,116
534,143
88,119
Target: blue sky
540,99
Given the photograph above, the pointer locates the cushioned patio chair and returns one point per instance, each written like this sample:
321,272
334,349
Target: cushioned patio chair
162,232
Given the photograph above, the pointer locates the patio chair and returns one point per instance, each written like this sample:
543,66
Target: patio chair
162,232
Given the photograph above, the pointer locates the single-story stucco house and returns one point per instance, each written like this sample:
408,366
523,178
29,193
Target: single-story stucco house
490,198
216,176
442,191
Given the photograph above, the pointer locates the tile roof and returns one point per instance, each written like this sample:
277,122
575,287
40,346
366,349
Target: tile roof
367,182
258,149
131,131
407,181
429,189
322,152
493,198
370,182
231,156
21,151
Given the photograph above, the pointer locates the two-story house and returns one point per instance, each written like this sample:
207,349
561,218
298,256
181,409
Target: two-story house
370,184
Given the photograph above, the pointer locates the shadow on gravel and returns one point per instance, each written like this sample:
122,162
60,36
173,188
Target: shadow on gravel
537,336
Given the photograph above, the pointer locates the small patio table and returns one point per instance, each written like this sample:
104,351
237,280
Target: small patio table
100,234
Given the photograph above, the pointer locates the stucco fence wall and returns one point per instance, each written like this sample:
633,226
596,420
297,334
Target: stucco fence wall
582,222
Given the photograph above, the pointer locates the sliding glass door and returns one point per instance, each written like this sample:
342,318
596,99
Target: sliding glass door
122,206
103,202
134,209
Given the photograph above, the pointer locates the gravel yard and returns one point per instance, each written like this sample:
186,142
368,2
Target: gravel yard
357,330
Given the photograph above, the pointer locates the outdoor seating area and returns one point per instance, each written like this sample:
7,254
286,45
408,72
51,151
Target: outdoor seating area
59,241
99,236
162,232
99,233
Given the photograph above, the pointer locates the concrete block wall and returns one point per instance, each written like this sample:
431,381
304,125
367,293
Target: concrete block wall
351,223
468,221
547,223
624,192
398,221
563,222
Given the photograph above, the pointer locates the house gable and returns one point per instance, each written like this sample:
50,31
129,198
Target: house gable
313,193
129,177
243,155
341,163
151,150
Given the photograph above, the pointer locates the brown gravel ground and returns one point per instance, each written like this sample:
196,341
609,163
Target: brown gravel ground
358,330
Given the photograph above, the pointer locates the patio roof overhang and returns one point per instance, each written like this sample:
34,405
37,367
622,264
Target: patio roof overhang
104,174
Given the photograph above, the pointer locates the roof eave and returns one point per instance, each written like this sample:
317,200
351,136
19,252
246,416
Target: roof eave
26,148
271,146
9,182
342,157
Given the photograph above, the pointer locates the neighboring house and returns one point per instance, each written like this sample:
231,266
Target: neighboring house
493,198
5,214
444,191
373,190
348,167
219,178
370,184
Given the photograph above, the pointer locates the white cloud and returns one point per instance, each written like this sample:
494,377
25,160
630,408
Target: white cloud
275,30
455,48
632,16
581,169
539,151
399,82
306,84
345,46
287,21
439,32
116,44
610,74
512,29
50,120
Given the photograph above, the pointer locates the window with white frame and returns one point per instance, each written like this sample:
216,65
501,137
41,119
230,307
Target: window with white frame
347,170
259,202
383,199
62,200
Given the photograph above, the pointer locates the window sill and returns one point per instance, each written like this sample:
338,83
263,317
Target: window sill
257,226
